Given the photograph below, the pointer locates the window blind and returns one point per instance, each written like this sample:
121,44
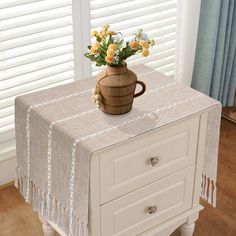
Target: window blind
36,52
156,17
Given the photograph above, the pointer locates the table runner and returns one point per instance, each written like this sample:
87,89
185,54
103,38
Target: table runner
58,129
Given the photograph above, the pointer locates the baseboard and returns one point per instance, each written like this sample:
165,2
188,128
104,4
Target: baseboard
229,113
7,170
7,185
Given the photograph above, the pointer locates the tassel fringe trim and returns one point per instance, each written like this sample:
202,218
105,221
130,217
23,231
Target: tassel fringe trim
54,211
208,190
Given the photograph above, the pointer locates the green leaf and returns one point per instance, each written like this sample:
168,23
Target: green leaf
91,57
100,63
87,54
98,39
102,50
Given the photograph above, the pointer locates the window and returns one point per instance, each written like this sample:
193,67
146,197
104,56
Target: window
36,52
156,17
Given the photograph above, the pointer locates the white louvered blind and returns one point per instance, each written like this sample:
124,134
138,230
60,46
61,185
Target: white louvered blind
36,52
156,17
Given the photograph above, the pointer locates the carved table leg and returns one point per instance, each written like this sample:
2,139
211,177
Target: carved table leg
47,228
187,229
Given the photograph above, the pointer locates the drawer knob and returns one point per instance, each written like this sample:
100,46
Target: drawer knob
152,210
154,161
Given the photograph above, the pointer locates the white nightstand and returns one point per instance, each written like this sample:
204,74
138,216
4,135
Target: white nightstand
149,185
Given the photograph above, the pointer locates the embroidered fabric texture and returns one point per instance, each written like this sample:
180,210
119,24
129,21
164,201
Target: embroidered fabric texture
58,129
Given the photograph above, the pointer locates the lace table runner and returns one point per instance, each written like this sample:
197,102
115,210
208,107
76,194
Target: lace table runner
58,129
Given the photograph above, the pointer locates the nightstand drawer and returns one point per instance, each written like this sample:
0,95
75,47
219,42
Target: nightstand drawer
148,158
148,206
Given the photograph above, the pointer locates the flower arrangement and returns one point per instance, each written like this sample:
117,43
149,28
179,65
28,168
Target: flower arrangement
111,49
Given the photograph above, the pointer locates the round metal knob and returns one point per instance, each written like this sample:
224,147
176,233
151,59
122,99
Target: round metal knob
152,210
154,161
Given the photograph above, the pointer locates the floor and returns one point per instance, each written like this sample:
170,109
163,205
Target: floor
17,218
230,113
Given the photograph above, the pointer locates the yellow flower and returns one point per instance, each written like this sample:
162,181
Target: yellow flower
106,27
110,52
144,43
109,59
145,52
113,47
94,33
101,34
94,48
93,51
96,45
133,44
152,42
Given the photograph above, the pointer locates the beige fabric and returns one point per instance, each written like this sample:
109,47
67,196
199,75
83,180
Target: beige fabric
58,129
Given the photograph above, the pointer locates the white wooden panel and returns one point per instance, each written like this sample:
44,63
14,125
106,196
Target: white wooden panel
7,170
127,167
128,215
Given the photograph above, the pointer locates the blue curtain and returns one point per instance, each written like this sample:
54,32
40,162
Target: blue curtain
215,61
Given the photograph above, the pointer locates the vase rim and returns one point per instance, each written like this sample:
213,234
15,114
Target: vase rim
116,69
125,65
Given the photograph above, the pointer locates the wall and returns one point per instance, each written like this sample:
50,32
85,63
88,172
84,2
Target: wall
7,170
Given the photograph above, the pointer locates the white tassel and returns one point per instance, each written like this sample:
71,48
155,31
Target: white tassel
64,216
41,202
214,194
61,215
67,225
205,190
22,187
209,200
16,183
55,213
38,199
34,199
57,218
201,195
203,186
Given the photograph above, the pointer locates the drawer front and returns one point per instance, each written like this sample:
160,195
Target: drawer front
147,158
148,206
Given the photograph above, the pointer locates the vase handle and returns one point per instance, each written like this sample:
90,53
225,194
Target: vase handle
143,89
